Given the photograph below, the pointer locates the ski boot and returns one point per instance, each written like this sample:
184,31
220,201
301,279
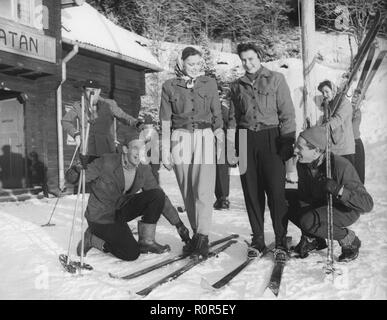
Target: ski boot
90,241
198,246
222,204
308,244
280,254
350,245
257,247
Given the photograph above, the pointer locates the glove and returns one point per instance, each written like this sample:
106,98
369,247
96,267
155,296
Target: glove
84,159
139,125
332,187
77,139
285,146
72,174
167,161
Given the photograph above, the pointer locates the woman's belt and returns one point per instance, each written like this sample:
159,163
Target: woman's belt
195,125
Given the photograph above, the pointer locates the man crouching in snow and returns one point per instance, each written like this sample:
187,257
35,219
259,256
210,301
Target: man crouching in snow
308,204
116,198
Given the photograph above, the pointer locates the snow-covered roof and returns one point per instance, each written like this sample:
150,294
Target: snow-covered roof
86,27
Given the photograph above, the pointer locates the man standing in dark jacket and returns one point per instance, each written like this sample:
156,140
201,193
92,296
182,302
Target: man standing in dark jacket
122,189
308,204
100,113
262,105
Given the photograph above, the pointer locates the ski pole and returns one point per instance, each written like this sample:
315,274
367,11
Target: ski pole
329,265
85,139
49,224
73,221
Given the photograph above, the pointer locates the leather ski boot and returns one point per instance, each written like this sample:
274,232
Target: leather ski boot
349,247
308,244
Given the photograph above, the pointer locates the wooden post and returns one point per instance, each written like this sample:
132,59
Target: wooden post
308,60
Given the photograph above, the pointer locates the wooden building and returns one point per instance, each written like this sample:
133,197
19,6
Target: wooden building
46,49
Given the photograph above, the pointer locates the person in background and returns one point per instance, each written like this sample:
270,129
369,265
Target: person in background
100,113
343,142
37,172
222,184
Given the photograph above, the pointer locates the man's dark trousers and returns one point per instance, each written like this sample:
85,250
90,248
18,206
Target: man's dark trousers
222,184
313,220
265,174
118,237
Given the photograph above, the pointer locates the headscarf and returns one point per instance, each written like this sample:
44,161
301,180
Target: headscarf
330,85
182,74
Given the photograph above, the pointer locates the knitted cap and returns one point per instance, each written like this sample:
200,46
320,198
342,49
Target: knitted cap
315,136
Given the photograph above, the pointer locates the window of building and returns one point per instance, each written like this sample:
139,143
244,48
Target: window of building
7,9
27,12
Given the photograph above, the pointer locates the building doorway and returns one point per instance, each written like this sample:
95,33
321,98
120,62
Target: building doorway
12,141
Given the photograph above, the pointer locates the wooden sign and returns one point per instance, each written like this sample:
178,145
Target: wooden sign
18,39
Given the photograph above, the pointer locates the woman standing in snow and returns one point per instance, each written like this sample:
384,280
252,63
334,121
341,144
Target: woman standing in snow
343,141
190,107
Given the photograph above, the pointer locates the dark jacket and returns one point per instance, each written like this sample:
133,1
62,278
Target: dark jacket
186,107
107,186
311,188
101,136
266,103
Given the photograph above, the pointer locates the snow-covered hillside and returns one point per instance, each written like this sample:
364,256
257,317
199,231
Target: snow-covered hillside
29,253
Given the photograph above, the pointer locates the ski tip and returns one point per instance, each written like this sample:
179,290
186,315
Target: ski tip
206,285
274,290
143,293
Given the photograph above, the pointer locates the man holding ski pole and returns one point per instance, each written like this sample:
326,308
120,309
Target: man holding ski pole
308,204
122,189
100,113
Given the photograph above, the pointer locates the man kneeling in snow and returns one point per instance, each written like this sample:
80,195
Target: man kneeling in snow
308,204
116,198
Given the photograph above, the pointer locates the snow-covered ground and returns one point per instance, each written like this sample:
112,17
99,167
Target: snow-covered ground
29,253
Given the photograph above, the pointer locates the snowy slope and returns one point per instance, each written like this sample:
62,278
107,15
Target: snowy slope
29,253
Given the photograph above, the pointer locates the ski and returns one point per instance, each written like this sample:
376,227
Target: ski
190,264
233,273
169,261
362,51
369,79
276,274
366,68
278,268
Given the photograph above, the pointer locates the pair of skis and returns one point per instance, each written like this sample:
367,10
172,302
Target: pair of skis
275,277
367,75
358,60
227,242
